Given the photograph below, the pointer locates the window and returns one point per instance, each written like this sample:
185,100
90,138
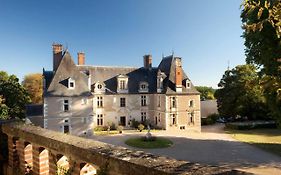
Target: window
99,102
191,103
182,127
65,105
143,100
122,84
159,101
174,121
191,118
71,83
84,101
143,116
100,120
173,102
99,86
187,84
143,86
122,102
159,117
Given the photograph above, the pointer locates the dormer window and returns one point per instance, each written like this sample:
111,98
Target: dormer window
160,78
71,83
187,84
143,87
99,87
122,83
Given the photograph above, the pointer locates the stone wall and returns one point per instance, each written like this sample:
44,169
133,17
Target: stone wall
51,149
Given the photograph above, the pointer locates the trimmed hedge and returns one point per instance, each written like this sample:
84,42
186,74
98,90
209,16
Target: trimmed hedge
251,125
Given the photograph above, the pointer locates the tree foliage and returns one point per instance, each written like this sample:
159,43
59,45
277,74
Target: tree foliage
13,97
240,93
206,93
33,83
262,33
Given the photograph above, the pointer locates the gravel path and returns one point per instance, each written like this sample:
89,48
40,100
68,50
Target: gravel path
212,146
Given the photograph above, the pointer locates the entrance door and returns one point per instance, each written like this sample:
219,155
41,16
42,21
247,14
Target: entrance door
66,129
123,121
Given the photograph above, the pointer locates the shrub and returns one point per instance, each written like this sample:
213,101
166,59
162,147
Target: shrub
100,128
111,125
135,123
120,128
251,125
211,119
140,127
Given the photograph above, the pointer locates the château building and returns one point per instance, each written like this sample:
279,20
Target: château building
79,97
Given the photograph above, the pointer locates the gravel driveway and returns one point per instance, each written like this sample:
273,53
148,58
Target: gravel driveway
212,146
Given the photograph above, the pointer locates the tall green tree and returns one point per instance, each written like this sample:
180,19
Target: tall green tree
240,93
206,93
33,83
262,33
13,97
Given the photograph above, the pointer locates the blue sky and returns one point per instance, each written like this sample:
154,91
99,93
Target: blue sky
206,34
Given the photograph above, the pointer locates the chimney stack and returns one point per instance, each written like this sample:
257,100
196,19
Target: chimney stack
147,61
178,76
57,55
81,58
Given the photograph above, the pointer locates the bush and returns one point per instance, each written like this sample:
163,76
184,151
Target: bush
140,127
111,125
120,128
210,120
251,125
101,128
135,123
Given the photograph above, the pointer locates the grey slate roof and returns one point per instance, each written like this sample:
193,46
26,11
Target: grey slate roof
108,76
67,69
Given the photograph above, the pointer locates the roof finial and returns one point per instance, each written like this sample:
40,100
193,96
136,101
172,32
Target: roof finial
173,52
162,55
66,46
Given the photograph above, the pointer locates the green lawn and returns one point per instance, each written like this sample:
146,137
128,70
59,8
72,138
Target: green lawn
267,139
157,143
104,133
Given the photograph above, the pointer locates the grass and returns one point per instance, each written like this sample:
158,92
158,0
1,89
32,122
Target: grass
104,133
157,143
267,139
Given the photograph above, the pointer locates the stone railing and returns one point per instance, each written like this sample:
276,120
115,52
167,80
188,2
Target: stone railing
38,151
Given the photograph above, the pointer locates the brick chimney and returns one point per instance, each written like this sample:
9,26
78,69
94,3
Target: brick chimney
81,58
178,74
57,55
147,61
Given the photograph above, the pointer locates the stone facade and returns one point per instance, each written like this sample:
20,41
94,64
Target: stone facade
79,97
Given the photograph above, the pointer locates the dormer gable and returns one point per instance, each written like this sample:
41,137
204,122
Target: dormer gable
122,83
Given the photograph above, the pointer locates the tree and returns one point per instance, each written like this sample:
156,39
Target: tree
241,94
262,33
13,97
206,93
33,84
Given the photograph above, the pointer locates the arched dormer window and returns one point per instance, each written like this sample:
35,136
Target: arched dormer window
143,87
99,87
122,83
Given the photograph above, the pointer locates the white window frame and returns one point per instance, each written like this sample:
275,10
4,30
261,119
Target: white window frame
100,120
70,80
173,102
143,100
66,103
143,116
122,102
99,102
